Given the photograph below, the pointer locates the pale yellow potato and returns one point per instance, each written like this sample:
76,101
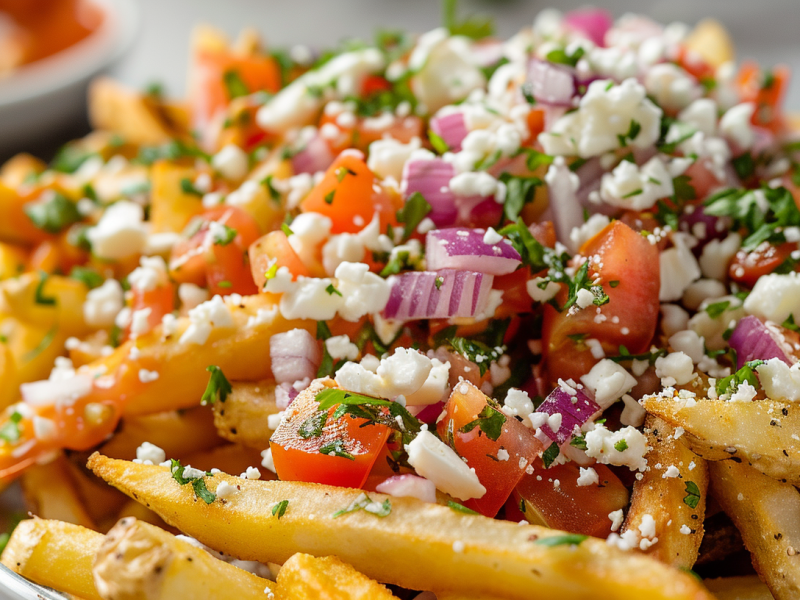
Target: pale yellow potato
55,554
418,546
758,433
305,577
12,260
170,207
15,226
663,497
746,587
51,494
138,561
34,349
767,513
8,375
244,417
18,297
712,42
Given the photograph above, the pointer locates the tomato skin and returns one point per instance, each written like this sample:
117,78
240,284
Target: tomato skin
633,304
160,301
747,267
275,247
229,272
768,99
573,508
347,195
299,459
362,134
499,477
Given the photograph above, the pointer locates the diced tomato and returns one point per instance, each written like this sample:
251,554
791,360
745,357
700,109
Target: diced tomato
363,132
567,506
348,195
630,316
702,178
515,292
274,249
536,122
694,64
341,452
229,271
374,84
766,90
747,267
211,67
497,471
160,301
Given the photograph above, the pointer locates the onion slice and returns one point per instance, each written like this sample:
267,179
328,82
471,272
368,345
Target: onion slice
575,409
451,128
550,83
408,486
462,248
315,157
755,340
591,22
295,356
438,295
431,178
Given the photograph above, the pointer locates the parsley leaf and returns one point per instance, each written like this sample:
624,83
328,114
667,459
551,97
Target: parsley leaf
280,508
39,297
559,56
461,508
331,289
336,448
531,251
621,446
692,498
472,27
10,430
53,212
549,455
230,235
490,421
437,142
365,503
198,483
415,209
716,309
218,386
234,84
730,384
519,192
88,276
572,539
313,426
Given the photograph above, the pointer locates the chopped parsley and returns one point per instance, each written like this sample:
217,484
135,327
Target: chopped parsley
731,383
88,276
274,194
229,235
461,508
365,503
437,142
336,448
332,290
620,446
198,483
313,426
39,297
633,132
519,192
414,210
549,455
692,498
578,441
53,212
490,421
476,351
188,187
10,432
570,539
280,509
234,85
472,27
329,197
218,386
716,309
559,56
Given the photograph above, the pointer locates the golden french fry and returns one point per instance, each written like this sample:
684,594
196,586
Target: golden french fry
55,554
57,303
8,375
51,494
178,433
230,458
142,562
33,348
469,554
759,433
244,417
12,260
767,513
747,587
668,499
170,207
101,501
132,509
304,577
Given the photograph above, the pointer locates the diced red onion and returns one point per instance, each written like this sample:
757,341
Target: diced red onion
591,22
431,178
427,413
566,209
415,295
487,53
408,486
709,230
285,393
451,128
550,83
60,391
461,248
754,340
315,157
574,409
295,355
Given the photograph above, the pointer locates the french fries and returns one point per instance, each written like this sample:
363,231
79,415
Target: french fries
304,577
244,417
142,562
667,500
51,494
54,554
747,587
471,554
171,207
56,302
767,513
759,433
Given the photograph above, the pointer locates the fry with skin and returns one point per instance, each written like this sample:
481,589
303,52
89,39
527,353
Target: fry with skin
663,497
138,561
56,554
244,417
766,513
758,433
473,554
304,577
50,494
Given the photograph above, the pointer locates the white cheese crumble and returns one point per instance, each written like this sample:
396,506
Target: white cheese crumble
779,380
675,368
634,188
340,346
204,318
588,476
678,268
225,491
600,445
120,233
775,297
103,304
436,461
608,381
150,454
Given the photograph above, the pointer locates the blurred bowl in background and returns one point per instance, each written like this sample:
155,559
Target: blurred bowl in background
40,99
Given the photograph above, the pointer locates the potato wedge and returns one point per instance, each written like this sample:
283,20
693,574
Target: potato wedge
758,433
56,554
664,498
138,561
767,512
50,494
244,417
747,587
171,207
101,501
305,577
461,553
65,311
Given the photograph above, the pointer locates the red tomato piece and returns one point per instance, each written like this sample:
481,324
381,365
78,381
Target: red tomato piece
160,301
274,249
229,271
573,508
747,267
499,463
630,316
334,452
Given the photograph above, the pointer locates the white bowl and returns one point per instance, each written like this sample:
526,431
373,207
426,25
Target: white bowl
48,95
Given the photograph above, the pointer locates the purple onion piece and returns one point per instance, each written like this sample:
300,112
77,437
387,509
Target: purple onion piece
703,226
431,178
315,157
575,409
294,355
591,22
550,83
462,248
451,128
438,295
754,340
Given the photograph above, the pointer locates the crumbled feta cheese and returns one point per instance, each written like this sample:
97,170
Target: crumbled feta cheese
225,490
585,298
387,157
503,455
120,233
600,445
151,273
363,292
736,127
617,517
717,255
711,328
140,321
671,472
608,381
633,414
204,318
588,476
309,230
146,376
689,343
685,530
673,319
266,460
436,461
150,452
702,115
251,473
671,86
340,346
519,404
745,392
580,235
103,304
678,268
775,297
630,187
541,295
191,295
435,386
675,368
647,527
779,380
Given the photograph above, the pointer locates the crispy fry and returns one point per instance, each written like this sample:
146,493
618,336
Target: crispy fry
171,207
244,417
140,561
101,501
19,167
472,554
50,494
15,226
62,306
663,498
55,554
766,512
759,433
177,433
748,587
304,577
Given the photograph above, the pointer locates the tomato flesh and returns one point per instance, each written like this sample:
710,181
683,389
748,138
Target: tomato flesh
747,267
498,474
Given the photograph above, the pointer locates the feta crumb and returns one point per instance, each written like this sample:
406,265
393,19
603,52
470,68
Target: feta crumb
608,381
685,530
502,455
251,473
436,461
120,233
225,490
146,376
103,304
150,452
588,476
231,162
204,318
675,368
266,460
779,380
617,518
340,347
601,444
671,472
